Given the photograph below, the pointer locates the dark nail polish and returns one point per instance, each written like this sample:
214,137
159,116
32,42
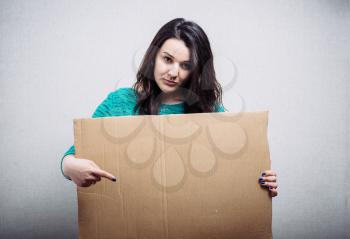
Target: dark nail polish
114,179
262,182
263,174
270,187
261,179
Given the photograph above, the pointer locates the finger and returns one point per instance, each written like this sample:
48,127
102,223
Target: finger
273,192
85,184
104,174
269,173
93,177
88,182
269,179
98,177
269,184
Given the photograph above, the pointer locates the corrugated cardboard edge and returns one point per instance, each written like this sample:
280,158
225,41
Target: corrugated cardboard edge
267,114
77,135
77,138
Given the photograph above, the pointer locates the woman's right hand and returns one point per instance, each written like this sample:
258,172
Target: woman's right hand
84,172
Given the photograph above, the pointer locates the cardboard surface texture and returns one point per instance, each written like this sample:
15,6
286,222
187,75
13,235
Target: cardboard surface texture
178,176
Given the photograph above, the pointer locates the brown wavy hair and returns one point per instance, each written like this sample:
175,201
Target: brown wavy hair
201,92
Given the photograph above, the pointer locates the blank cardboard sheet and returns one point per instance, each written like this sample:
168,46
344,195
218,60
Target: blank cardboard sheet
178,176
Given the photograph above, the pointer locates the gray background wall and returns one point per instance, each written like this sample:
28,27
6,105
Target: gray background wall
60,59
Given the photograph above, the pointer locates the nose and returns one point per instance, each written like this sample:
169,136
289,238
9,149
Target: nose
174,71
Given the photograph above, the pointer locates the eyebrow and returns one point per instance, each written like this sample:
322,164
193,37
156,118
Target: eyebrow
174,57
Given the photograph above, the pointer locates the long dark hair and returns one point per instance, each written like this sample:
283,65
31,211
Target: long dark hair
201,92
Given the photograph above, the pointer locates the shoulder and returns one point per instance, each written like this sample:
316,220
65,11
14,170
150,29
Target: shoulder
125,94
123,101
220,108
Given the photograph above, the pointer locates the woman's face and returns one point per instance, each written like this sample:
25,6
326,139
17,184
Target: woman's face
172,66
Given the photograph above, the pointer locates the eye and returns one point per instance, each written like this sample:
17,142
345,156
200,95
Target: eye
186,66
167,59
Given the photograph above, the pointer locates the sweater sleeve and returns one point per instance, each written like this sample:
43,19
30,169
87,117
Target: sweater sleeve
103,110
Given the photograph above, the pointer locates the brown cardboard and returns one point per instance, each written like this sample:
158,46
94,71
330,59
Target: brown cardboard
178,176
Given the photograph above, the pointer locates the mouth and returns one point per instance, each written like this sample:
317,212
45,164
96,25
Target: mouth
169,83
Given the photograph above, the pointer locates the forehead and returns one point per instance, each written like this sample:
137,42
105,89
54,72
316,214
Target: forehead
176,48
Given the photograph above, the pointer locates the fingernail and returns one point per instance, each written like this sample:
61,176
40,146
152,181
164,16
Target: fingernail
270,187
114,179
262,182
263,174
261,179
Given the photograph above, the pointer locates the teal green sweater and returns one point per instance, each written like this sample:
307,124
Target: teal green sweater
121,103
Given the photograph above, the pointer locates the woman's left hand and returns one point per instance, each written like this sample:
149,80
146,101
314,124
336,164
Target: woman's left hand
268,179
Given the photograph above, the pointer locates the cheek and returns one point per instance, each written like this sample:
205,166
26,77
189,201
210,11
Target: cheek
184,75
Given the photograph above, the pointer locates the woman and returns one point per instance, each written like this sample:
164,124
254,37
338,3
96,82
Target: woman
176,76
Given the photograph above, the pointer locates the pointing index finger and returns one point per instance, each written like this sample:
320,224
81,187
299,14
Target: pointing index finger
105,174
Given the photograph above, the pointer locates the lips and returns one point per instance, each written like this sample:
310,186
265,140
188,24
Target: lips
169,83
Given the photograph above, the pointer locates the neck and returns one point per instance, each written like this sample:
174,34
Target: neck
171,98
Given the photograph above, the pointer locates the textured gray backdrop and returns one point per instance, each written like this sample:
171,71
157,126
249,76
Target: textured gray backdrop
60,59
